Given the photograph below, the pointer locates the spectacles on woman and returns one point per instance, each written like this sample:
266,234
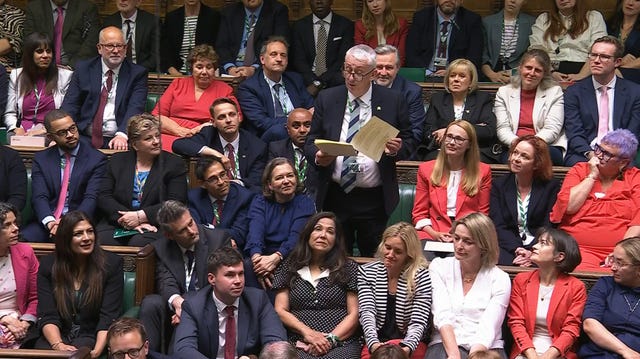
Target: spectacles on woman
603,154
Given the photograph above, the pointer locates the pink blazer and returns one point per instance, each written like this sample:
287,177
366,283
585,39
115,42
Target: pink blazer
25,269
396,39
563,319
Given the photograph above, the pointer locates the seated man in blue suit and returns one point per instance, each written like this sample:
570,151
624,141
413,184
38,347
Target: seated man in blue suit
387,67
219,203
585,122
268,97
249,320
65,177
242,153
106,91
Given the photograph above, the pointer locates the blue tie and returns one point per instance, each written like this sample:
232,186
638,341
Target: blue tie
348,178
278,103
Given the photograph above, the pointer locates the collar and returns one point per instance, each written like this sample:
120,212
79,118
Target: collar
326,19
105,68
270,82
132,18
256,12
54,6
214,199
221,306
73,152
184,250
611,84
365,99
235,142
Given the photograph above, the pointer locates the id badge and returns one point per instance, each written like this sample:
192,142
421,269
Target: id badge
440,62
358,166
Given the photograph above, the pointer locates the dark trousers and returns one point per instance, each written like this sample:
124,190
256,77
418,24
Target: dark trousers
362,216
155,315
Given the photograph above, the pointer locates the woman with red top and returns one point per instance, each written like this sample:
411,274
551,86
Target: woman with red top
380,26
532,104
184,106
599,202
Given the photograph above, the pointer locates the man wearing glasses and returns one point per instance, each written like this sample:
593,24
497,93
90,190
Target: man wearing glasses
599,103
360,191
106,91
127,338
64,177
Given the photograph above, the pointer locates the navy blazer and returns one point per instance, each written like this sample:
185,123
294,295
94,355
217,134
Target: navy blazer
413,93
197,335
256,101
13,177
170,274
303,49
503,210
387,104
83,96
173,32
147,37
234,212
273,20
466,39
87,175
252,153
4,91
581,112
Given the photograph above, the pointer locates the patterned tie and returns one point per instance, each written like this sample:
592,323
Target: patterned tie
57,34
191,268
278,102
230,333
231,172
249,52
348,178
302,165
96,127
444,34
217,212
321,50
129,39
65,186
603,112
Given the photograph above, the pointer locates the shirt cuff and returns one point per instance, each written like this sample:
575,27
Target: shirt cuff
122,134
48,219
423,223
171,298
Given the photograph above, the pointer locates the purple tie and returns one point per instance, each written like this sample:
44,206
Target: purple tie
57,33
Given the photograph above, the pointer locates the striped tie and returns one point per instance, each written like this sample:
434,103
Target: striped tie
348,177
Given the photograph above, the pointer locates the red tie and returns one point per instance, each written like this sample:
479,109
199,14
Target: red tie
230,334
57,33
232,158
65,186
96,128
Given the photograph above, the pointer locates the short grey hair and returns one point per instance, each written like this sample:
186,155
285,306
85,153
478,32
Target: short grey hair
169,212
363,53
387,50
278,350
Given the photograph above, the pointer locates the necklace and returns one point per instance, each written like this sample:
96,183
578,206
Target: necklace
545,291
629,304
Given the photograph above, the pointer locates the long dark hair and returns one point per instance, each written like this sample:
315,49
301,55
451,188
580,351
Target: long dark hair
579,23
30,71
615,21
334,260
66,269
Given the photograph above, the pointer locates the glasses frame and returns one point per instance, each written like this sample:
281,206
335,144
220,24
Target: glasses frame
111,47
457,140
606,155
73,129
130,352
356,76
602,57
216,179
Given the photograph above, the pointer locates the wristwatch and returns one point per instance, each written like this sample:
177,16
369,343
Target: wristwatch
317,83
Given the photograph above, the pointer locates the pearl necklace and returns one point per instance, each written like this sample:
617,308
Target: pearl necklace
629,304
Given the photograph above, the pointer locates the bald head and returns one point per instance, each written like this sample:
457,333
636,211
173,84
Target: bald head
299,125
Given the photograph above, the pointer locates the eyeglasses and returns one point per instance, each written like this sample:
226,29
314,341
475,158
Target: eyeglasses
619,264
356,76
73,129
603,154
602,57
133,353
455,139
111,47
215,179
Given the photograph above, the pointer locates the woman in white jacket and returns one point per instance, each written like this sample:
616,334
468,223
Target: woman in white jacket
36,88
532,104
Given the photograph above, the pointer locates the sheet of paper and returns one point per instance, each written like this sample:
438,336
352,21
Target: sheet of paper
334,148
436,246
372,137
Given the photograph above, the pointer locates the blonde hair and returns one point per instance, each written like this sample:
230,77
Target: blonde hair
415,260
391,23
467,65
483,232
471,175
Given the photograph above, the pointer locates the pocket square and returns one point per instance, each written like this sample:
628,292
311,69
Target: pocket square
337,38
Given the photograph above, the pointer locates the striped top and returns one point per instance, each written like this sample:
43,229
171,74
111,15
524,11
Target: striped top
11,24
412,314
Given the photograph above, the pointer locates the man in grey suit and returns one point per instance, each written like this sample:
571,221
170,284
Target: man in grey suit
181,262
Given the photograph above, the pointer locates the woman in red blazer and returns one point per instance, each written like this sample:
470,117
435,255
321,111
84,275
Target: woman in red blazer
457,166
548,292
378,21
18,277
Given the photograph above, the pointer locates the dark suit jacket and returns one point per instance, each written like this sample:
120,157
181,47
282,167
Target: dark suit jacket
170,274
273,20
147,37
466,39
197,335
173,32
254,96
13,178
252,153
581,112
328,115
83,97
234,220
303,49
87,175
167,180
79,32
493,26
563,318
413,94
503,210
478,110
4,91
284,148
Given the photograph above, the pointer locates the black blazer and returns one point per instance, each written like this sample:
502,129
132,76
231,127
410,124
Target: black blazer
503,210
13,178
173,31
273,20
167,180
478,111
467,39
303,49
4,91
147,37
